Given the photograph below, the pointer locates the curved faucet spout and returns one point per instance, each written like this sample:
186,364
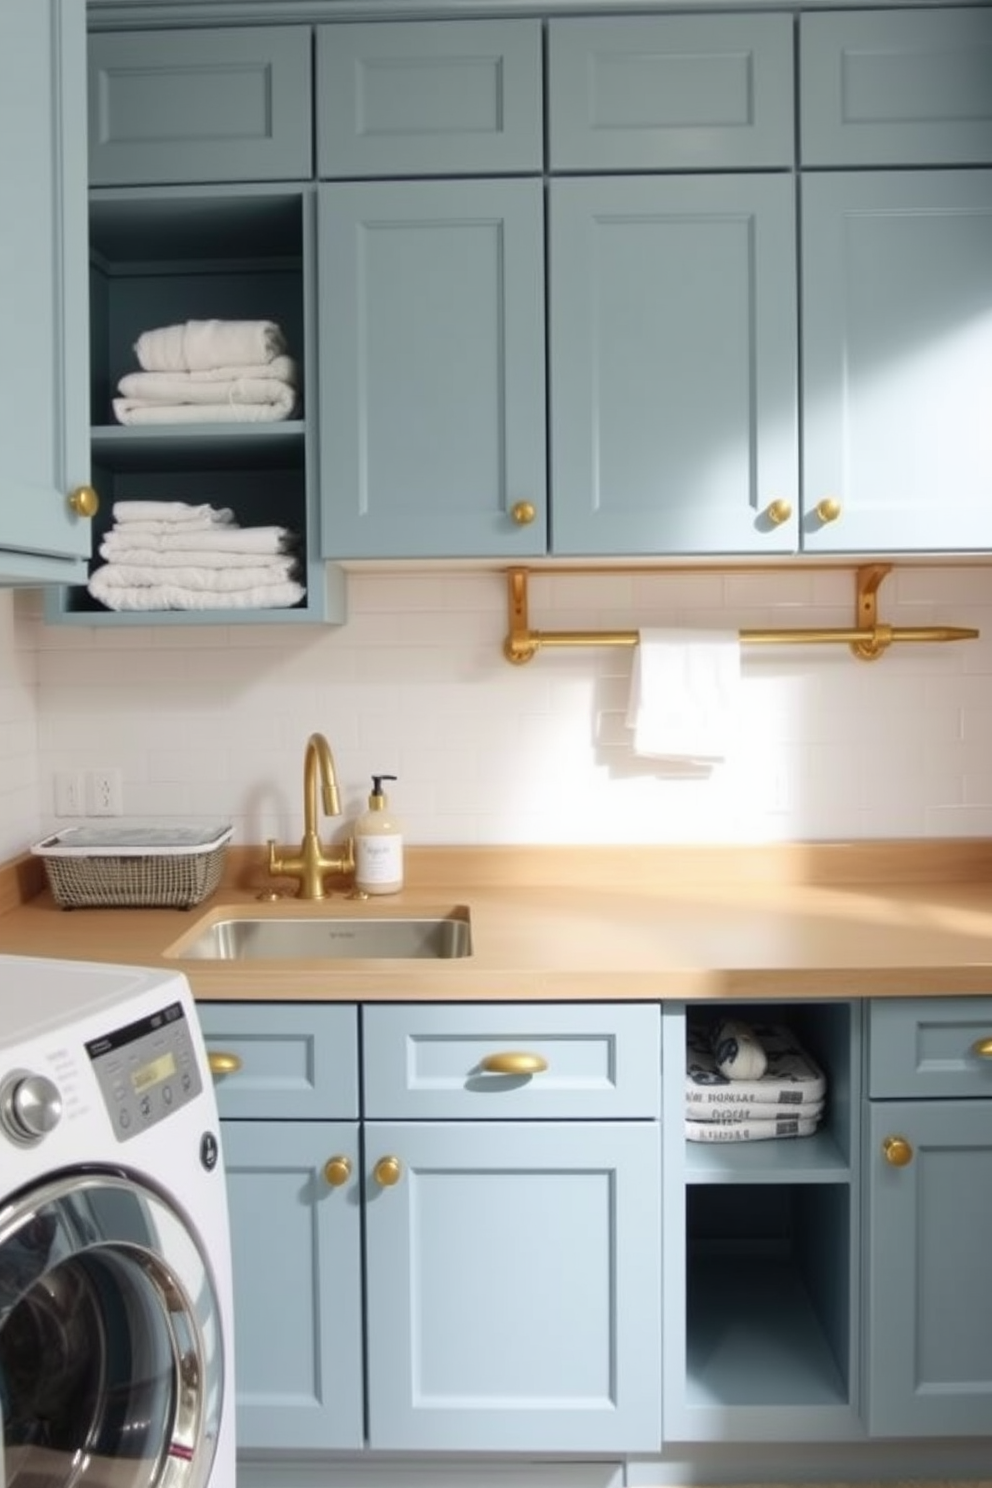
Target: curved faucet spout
319,760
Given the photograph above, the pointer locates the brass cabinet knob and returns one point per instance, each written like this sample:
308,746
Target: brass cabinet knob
387,1171
223,1064
84,501
983,1048
523,513
828,510
897,1151
337,1170
514,1062
778,512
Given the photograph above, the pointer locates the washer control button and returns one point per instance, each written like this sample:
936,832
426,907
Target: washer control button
30,1106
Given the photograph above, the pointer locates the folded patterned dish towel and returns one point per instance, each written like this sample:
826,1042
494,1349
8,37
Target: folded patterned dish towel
787,1100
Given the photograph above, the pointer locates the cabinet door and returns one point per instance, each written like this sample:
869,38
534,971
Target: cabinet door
431,343
673,365
929,1241
296,1247
513,1276
897,343
44,417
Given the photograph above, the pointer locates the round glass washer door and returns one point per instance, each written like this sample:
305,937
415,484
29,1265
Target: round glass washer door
111,1349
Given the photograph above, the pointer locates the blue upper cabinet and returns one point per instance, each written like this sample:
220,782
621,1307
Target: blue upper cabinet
907,87
431,344
429,98
44,415
673,365
702,92
897,343
200,105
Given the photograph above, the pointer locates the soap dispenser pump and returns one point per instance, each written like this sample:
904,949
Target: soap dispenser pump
378,845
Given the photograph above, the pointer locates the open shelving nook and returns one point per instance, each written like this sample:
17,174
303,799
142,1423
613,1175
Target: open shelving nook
762,1298
161,256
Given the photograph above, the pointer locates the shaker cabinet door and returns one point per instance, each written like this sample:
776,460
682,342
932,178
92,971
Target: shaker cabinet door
929,1344
513,1274
44,414
431,344
897,345
673,365
293,1191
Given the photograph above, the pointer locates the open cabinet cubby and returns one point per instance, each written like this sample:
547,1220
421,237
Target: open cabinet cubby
160,257
762,1276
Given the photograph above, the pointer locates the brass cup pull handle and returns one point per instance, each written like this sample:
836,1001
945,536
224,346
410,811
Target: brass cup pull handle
983,1048
387,1171
84,501
523,513
897,1151
337,1170
828,510
223,1064
514,1062
778,512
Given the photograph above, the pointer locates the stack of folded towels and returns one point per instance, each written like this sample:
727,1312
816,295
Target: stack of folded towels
746,1082
210,371
167,555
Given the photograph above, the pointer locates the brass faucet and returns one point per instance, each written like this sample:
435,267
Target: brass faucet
310,864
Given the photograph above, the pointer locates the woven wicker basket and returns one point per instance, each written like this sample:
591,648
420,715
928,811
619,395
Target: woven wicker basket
134,867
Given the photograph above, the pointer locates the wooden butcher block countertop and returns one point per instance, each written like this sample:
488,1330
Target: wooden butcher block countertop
885,919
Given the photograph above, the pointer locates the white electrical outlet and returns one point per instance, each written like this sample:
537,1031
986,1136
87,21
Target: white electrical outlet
104,793
68,792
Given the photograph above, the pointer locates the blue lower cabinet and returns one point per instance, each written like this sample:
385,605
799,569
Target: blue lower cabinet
929,1345
513,1286
293,1191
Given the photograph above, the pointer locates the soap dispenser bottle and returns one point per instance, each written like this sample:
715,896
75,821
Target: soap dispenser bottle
378,845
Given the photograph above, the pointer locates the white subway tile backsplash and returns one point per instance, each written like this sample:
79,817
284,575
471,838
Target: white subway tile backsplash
212,721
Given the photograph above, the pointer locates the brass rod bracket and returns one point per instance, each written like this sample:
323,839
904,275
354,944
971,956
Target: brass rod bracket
869,581
519,646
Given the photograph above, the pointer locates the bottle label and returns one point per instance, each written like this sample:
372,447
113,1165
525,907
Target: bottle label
379,860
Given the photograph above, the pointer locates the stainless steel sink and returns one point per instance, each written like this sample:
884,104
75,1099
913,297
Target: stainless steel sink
436,937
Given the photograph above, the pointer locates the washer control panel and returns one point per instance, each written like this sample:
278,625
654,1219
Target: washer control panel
146,1070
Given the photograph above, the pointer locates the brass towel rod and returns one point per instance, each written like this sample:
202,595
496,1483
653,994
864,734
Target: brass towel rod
868,638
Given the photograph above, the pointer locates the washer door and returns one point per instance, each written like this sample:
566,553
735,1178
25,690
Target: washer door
111,1354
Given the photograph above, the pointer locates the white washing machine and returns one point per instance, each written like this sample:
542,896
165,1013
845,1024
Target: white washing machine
116,1327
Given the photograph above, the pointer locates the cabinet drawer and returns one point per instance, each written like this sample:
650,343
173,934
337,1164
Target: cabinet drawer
429,98
937,1046
670,93
430,1063
298,1061
896,87
179,106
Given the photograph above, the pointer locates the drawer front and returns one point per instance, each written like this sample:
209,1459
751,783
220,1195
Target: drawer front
937,1046
898,87
429,98
671,93
196,105
434,1063
295,1061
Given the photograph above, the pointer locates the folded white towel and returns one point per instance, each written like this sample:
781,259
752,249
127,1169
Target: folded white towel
164,514
229,410
171,388
177,597
223,578
756,1111
198,344
684,694
264,540
164,386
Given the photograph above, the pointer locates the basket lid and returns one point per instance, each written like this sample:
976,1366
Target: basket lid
138,839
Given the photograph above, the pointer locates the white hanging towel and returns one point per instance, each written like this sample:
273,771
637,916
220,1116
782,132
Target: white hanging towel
684,690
